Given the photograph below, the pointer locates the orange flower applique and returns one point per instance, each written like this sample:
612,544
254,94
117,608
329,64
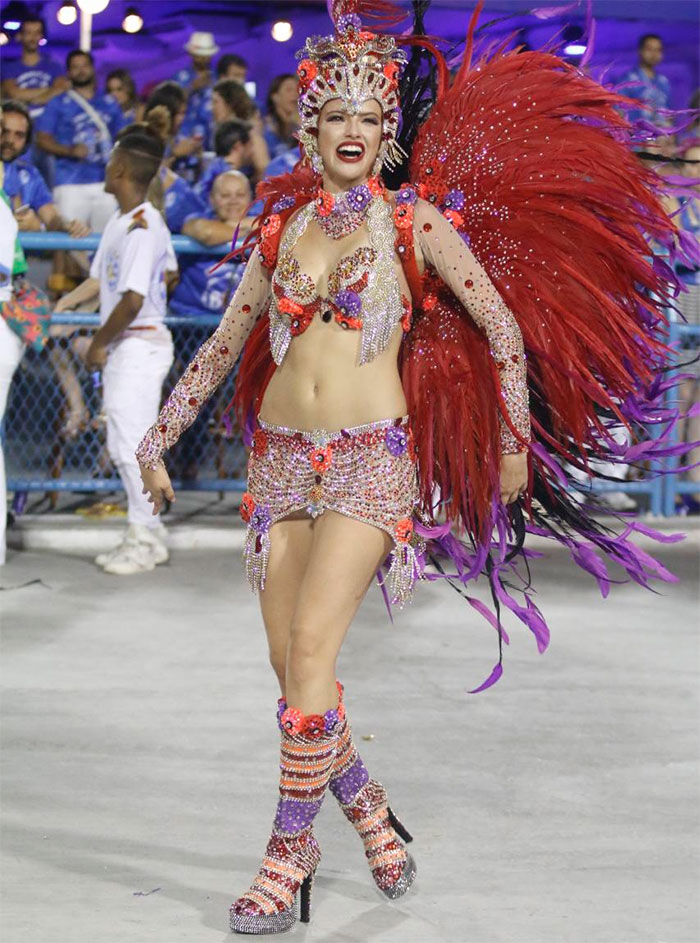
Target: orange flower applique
259,443
454,217
270,226
321,459
403,530
324,203
247,507
287,306
403,216
307,72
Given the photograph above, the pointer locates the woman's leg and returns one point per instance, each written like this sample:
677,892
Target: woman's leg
344,556
290,546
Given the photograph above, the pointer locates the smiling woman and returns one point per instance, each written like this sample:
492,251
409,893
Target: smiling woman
384,380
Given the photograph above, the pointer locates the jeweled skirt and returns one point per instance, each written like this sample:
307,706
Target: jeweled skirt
366,472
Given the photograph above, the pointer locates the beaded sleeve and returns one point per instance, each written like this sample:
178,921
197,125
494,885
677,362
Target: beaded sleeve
211,365
446,252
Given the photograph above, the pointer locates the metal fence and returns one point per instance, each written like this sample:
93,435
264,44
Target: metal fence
55,432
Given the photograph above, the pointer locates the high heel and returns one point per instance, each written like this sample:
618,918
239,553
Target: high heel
282,887
398,826
307,886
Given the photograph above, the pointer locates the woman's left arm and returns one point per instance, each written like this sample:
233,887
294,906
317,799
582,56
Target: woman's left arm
445,250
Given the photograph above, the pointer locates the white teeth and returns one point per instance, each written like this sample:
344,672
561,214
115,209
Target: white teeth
350,150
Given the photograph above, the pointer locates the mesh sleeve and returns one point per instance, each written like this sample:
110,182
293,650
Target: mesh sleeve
210,366
446,252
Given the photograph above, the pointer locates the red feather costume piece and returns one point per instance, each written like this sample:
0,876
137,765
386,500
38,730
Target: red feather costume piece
531,162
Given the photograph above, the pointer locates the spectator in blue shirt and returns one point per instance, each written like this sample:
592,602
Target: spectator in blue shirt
231,66
652,88
232,149
30,198
196,81
79,127
230,100
32,79
282,118
201,291
120,85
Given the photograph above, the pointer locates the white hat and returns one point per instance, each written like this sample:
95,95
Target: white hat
201,44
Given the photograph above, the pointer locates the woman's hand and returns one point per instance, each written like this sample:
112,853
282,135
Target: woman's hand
513,476
156,484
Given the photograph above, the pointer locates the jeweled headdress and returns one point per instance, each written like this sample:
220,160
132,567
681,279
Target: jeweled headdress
354,65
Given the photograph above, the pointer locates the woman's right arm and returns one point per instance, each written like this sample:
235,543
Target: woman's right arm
211,365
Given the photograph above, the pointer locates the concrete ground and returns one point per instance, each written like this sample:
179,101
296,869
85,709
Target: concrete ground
139,755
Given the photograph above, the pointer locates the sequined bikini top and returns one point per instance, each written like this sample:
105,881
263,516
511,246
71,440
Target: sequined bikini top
363,291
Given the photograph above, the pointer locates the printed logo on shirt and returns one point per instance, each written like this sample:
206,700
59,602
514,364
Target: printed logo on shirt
112,270
138,221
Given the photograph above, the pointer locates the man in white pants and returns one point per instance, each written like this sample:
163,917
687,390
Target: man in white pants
133,348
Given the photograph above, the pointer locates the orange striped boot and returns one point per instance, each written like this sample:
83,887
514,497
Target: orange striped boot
308,747
364,803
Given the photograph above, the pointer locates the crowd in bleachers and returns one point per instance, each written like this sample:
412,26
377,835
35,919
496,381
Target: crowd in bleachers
59,126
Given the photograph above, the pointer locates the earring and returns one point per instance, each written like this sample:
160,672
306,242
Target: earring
317,162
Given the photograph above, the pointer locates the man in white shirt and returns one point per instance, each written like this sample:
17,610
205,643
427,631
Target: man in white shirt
132,347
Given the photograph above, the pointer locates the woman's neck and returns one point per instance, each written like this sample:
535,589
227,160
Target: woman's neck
333,186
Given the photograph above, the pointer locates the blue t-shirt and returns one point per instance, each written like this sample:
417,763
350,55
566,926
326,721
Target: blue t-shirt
40,75
654,91
69,124
23,180
181,205
284,164
201,291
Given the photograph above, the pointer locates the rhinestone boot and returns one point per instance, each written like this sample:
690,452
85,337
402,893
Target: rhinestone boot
308,746
364,803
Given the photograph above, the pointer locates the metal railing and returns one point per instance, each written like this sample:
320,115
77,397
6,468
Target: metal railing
55,432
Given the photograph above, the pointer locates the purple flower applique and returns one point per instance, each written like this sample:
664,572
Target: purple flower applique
283,203
348,303
260,519
396,440
347,20
406,195
330,720
359,197
454,200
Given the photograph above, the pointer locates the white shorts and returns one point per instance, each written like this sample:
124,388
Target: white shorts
86,202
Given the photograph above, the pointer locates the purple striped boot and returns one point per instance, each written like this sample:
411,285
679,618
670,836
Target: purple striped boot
364,803
308,747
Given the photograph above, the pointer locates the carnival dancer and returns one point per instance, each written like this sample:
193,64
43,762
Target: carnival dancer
383,364
133,348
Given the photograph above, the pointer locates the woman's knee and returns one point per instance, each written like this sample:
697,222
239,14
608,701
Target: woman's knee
307,652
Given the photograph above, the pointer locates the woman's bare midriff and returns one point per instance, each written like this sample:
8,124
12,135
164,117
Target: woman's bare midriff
319,385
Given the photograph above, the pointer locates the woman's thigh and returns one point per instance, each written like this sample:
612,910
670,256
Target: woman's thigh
344,557
290,547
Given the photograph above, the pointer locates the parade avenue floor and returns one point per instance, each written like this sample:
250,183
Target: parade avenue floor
139,756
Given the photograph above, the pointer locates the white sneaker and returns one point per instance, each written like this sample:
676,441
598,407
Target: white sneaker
141,550
131,558
155,536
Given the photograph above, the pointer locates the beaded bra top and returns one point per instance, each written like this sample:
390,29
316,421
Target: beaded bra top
363,291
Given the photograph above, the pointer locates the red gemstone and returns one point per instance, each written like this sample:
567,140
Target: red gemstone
469,283
427,227
223,350
163,428
195,367
246,309
192,401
